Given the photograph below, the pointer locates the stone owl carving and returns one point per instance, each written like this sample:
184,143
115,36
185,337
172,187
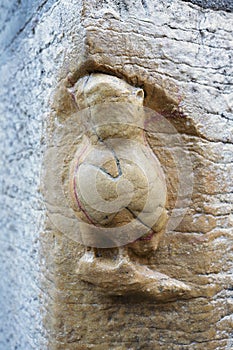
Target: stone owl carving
118,192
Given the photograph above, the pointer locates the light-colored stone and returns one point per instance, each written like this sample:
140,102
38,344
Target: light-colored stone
172,52
115,177
180,55
117,190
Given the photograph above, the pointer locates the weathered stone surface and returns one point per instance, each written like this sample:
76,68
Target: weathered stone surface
115,186
225,5
179,64
181,56
115,176
28,74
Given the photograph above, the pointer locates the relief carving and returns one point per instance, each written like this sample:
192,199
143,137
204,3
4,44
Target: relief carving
117,186
106,188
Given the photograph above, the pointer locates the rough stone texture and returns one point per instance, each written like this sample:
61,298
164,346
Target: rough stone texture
31,51
225,5
115,186
182,59
181,55
109,159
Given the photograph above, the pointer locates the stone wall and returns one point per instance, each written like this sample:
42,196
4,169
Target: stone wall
181,55
33,39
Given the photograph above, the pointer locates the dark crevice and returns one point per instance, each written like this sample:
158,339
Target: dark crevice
137,218
225,5
144,4
104,171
